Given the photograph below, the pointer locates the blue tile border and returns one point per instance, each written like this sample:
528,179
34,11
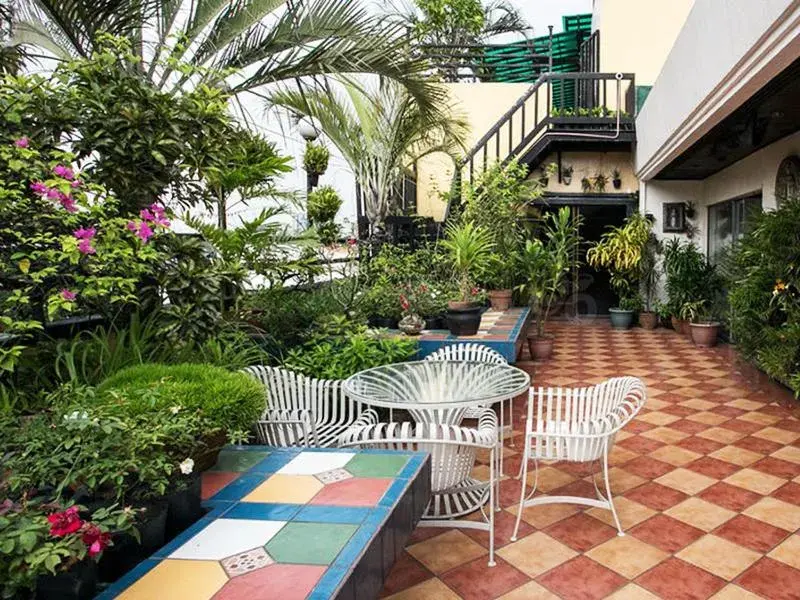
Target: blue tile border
128,579
317,513
262,511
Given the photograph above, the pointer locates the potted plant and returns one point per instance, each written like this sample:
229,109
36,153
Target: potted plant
649,275
321,207
500,273
704,329
546,172
689,279
616,179
469,247
566,175
411,322
586,185
600,182
546,262
315,162
620,251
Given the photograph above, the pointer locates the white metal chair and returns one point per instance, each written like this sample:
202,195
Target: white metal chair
453,450
580,425
303,411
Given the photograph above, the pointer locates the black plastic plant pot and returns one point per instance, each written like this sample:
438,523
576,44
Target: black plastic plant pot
183,508
434,322
152,527
617,183
464,321
68,328
312,179
78,583
386,322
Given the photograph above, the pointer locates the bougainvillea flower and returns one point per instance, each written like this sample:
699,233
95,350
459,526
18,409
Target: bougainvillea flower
144,233
63,171
76,184
68,203
147,215
22,142
130,226
54,194
95,539
64,523
68,295
85,247
37,187
157,210
84,234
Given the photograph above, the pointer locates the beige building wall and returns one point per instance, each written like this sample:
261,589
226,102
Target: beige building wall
637,35
589,164
482,104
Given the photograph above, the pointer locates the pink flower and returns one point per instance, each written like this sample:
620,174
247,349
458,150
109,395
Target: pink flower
96,540
63,171
157,210
130,226
37,187
352,241
146,215
85,247
66,522
68,203
75,184
68,295
144,233
22,142
84,234
54,194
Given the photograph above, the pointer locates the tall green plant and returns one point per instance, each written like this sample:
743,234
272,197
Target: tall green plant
690,277
470,248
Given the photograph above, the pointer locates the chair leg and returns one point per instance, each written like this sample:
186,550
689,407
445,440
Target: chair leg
523,481
608,491
511,420
501,435
492,476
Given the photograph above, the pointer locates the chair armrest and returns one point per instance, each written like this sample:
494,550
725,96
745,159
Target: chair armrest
297,415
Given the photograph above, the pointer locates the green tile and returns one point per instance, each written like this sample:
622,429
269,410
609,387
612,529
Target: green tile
238,460
376,465
309,543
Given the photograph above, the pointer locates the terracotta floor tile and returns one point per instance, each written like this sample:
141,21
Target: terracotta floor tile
734,592
712,467
666,533
700,445
529,591
433,589
730,496
788,552
755,481
656,496
687,426
708,418
640,444
627,555
778,467
630,513
721,435
675,579
475,580
582,579
675,455
790,453
581,532
771,579
632,592
666,435
658,418
686,481
779,436
546,514
701,514
756,444
719,556
698,404
536,554
789,492
751,533
406,572
649,467
503,529
622,481
446,551
737,456
776,512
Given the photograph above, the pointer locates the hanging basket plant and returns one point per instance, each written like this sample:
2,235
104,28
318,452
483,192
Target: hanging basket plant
315,159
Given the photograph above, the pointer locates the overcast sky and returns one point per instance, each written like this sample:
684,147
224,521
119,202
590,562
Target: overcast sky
541,13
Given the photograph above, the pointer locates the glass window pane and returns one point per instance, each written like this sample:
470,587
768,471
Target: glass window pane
720,227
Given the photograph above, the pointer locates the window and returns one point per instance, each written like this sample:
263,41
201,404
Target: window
727,221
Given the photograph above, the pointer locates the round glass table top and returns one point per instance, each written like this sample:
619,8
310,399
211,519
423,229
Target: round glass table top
437,383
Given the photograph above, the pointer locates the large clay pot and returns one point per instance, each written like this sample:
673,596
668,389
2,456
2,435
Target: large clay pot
540,348
704,334
621,319
648,320
681,326
463,318
500,299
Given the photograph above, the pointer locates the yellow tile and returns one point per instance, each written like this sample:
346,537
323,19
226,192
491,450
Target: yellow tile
622,481
286,489
433,589
773,434
445,551
529,591
536,553
745,404
760,418
655,404
722,435
630,513
686,481
701,514
632,592
675,455
719,556
627,555
658,418
734,592
736,455
755,481
707,418
546,514
196,579
549,479
620,455
666,435
697,404
790,453
788,552
776,512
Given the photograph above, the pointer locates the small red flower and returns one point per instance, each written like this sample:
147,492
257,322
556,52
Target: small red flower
64,523
474,291
423,288
96,540
352,241
404,304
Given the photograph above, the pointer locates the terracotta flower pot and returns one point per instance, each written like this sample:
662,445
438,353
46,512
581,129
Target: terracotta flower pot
500,299
648,320
541,348
681,326
704,334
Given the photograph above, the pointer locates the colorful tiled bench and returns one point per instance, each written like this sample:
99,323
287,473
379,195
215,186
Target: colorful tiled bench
503,331
290,524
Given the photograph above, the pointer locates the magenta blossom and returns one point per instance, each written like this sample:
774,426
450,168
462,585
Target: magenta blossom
68,295
75,184
144,233
147,215
63,171
37,187
157,210
84,234
131,226
54,194
22,142
85,247
68,203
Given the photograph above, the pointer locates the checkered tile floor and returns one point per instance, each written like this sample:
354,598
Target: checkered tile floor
707,482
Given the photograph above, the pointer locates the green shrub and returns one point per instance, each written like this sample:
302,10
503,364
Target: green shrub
315,158
323,204
231,401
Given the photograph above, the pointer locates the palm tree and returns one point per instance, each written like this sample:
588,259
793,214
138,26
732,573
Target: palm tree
257,41
380,133
11,55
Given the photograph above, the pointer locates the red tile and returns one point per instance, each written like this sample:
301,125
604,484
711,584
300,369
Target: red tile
788,493
789,425
687,426
741,426
581,487
728,411
420,534
287,582
729,496
656,496
214,481
640,444
637,426
476,580
678,411
771,579
758,445
675,579
712,467
753,534
503,528
701,445
358,491
581,579
581,532
406,572
666,533
647,467
778,467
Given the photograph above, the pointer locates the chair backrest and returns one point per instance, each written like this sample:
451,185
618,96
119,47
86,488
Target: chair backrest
468,352
453,449
287,390
288,428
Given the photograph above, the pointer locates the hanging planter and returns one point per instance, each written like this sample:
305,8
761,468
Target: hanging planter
315,162
566,175
616,179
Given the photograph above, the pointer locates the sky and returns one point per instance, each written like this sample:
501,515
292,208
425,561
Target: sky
541,13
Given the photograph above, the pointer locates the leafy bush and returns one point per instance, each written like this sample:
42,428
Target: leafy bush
315,158
340,356
764,293
323,204
230,401
690,277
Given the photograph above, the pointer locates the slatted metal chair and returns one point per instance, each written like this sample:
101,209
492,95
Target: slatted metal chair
578,425
303,411
453,450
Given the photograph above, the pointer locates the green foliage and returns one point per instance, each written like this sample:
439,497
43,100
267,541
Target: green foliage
764,293
323,204
230,401
470,249
344,353
547,260
649,272
690,277
315,158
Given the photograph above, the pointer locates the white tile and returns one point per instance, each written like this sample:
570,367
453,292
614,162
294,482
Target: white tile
226,537
311,463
